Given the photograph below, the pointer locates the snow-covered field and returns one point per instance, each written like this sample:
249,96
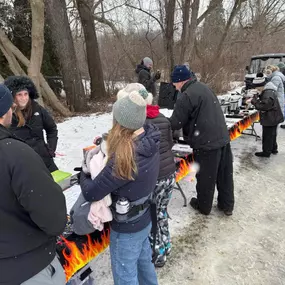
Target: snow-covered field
247,248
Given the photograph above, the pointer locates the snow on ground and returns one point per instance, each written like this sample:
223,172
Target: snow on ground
245,249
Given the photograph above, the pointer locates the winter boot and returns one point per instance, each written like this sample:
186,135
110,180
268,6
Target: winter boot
226,212
262,154
194,203
274,151
160,261
282,126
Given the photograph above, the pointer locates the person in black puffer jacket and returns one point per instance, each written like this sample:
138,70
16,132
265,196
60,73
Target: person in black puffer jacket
30,120
270,114
145,77
198,112
129,176
167,169
32,210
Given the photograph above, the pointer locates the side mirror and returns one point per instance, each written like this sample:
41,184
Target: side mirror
247,68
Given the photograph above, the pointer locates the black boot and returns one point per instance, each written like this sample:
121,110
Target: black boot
226,212
274,151
262,154
194,203
282,126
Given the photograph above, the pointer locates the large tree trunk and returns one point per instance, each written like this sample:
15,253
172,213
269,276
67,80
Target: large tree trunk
47,93
185,27
38,23
62,37
92,50
169,32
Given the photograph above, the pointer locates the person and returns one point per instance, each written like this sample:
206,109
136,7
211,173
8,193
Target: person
32,210
278,79
145,77
198,112
270,114
130,176
30,120
281,67
167,172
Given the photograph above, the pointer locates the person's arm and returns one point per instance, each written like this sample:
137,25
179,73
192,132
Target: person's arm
146,79
102,185
182,110
262,105
36,190
50,128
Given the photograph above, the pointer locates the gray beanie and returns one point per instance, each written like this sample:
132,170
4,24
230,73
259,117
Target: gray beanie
130,111
147,61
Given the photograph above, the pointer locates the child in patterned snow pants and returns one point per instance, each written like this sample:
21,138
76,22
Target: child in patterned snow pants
162,195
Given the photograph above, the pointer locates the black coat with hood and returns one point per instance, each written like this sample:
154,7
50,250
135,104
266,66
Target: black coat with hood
268,105
198,112
32,211
147,160
146,79
33,130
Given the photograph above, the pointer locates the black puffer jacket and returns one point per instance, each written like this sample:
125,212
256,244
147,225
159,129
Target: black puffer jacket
32,211
32,133
147,160
167,164
198,112
268,105
146,79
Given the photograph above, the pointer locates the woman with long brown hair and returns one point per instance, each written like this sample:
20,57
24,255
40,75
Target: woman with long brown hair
130,176
30,120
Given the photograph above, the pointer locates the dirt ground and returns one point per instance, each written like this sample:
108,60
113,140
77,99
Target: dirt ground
245,249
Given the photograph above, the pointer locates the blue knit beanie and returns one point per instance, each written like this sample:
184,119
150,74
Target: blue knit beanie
180,73
6,100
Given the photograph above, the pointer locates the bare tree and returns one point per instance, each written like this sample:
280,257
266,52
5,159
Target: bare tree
15,55
92,50
38,16
62,37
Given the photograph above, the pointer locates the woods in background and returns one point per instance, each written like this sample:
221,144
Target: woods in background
59,43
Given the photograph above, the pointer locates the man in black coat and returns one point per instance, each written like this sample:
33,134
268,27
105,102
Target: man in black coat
266,101
145,77
32,210
198,112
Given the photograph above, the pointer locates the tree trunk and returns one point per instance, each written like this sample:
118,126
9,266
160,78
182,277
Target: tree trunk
92,50
1,79
48,94
12,61
38,22
185,28
62,37
169,31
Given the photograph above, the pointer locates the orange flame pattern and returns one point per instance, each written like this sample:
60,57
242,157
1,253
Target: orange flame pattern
76,259
236,131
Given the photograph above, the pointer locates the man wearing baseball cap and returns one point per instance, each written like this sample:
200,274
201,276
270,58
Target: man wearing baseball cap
32,210
198,112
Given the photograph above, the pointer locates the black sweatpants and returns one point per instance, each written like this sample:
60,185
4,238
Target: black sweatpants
269,143
216,168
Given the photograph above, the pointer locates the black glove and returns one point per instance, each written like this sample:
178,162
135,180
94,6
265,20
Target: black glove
157,75
51,152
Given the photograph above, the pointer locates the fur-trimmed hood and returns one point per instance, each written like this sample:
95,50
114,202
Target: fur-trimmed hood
18,83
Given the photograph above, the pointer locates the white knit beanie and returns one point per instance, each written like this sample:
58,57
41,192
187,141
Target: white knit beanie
130,111
148,97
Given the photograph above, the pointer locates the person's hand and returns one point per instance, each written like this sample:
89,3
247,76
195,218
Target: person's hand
157,75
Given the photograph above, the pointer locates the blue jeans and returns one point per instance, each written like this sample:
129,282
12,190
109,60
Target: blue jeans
131,258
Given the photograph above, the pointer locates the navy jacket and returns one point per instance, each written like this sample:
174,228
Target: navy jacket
147,160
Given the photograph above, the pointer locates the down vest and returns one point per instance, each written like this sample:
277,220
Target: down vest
167,165
147,160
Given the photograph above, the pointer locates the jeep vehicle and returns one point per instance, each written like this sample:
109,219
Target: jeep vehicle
258,64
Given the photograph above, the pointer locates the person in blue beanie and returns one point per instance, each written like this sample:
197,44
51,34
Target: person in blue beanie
197,111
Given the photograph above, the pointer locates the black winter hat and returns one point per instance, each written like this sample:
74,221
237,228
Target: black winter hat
6,100
18,83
